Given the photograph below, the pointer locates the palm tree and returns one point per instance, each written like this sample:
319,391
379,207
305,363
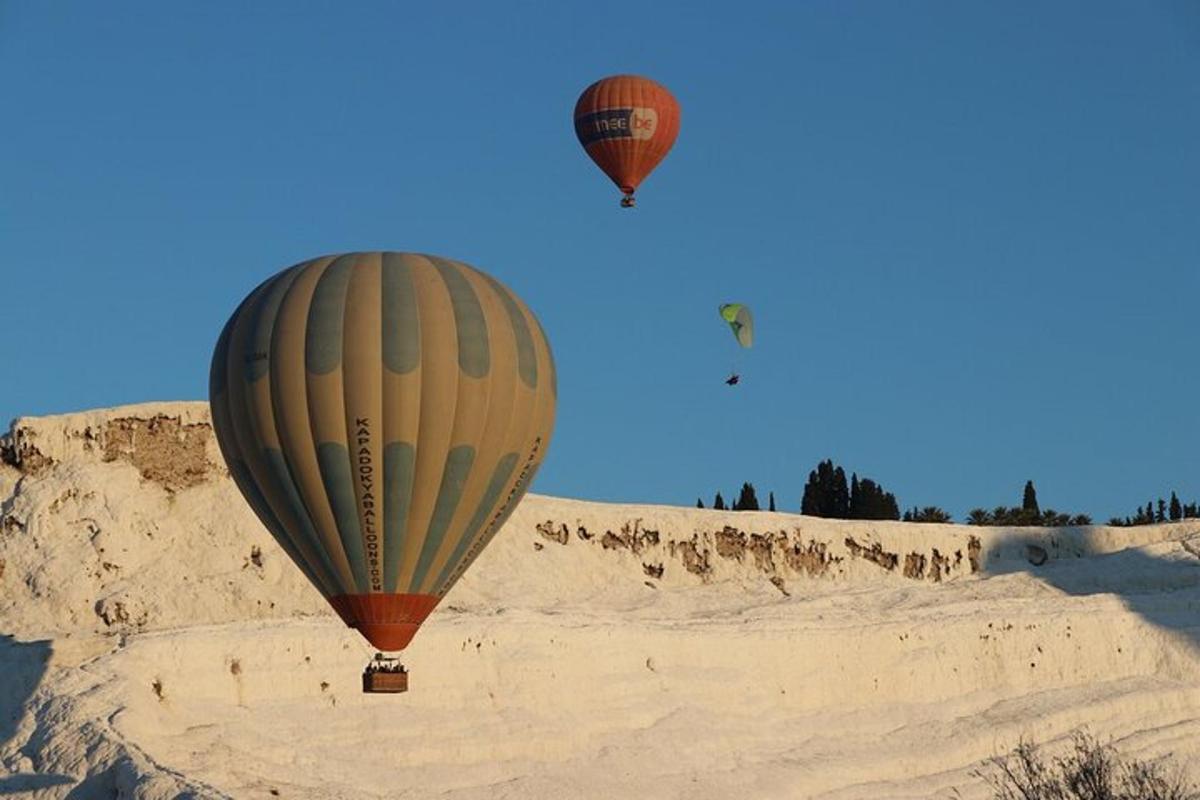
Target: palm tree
979,516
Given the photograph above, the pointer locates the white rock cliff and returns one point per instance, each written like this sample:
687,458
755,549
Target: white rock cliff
155,643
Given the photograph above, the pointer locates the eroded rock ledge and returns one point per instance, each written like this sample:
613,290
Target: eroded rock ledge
777,554
170,444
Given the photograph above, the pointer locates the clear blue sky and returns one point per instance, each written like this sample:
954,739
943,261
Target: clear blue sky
970,232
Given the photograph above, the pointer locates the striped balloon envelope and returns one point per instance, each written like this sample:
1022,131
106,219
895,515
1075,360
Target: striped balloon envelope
627,125
383,414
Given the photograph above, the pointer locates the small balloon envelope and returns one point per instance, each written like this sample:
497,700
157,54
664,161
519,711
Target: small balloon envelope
627,124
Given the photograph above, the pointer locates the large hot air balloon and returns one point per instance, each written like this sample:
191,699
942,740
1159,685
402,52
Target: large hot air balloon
627,124
383,414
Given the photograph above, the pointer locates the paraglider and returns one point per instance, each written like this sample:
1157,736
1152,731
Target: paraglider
740,322
742,325
383,414
627,125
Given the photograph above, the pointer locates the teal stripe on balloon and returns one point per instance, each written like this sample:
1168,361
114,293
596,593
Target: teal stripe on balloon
508,506
257,361
242,477
487,506
326,315
218,374
334,461
474,356
401,317
518,493
454,478
399,460
526,354
283,477
549,356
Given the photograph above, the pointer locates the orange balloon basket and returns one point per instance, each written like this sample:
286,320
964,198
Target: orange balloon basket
628,200
384,676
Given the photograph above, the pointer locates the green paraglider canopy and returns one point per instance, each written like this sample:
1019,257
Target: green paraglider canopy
740,322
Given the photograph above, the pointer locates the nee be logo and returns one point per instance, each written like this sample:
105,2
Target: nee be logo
643,122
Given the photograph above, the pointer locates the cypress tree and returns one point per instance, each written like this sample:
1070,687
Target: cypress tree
883,504
809,504
825,487
821,492
827,494
771,501
747,500
866,499
1029,502
871,502
719,502
699,503
1176,508
1161,514
891,509
841,495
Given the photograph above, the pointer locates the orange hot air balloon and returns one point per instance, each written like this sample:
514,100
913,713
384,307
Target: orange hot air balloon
627,124
383,414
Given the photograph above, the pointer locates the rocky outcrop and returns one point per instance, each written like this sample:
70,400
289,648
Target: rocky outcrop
170,444
125,520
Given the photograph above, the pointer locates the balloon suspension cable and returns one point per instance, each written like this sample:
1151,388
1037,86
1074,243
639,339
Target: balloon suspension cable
381,663
627,201
368,651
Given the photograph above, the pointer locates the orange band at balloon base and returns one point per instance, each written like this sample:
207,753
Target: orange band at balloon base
387,621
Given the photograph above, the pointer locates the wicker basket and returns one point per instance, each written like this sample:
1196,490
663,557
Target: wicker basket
388,682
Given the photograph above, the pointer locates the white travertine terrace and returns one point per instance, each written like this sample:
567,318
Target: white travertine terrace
155,643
